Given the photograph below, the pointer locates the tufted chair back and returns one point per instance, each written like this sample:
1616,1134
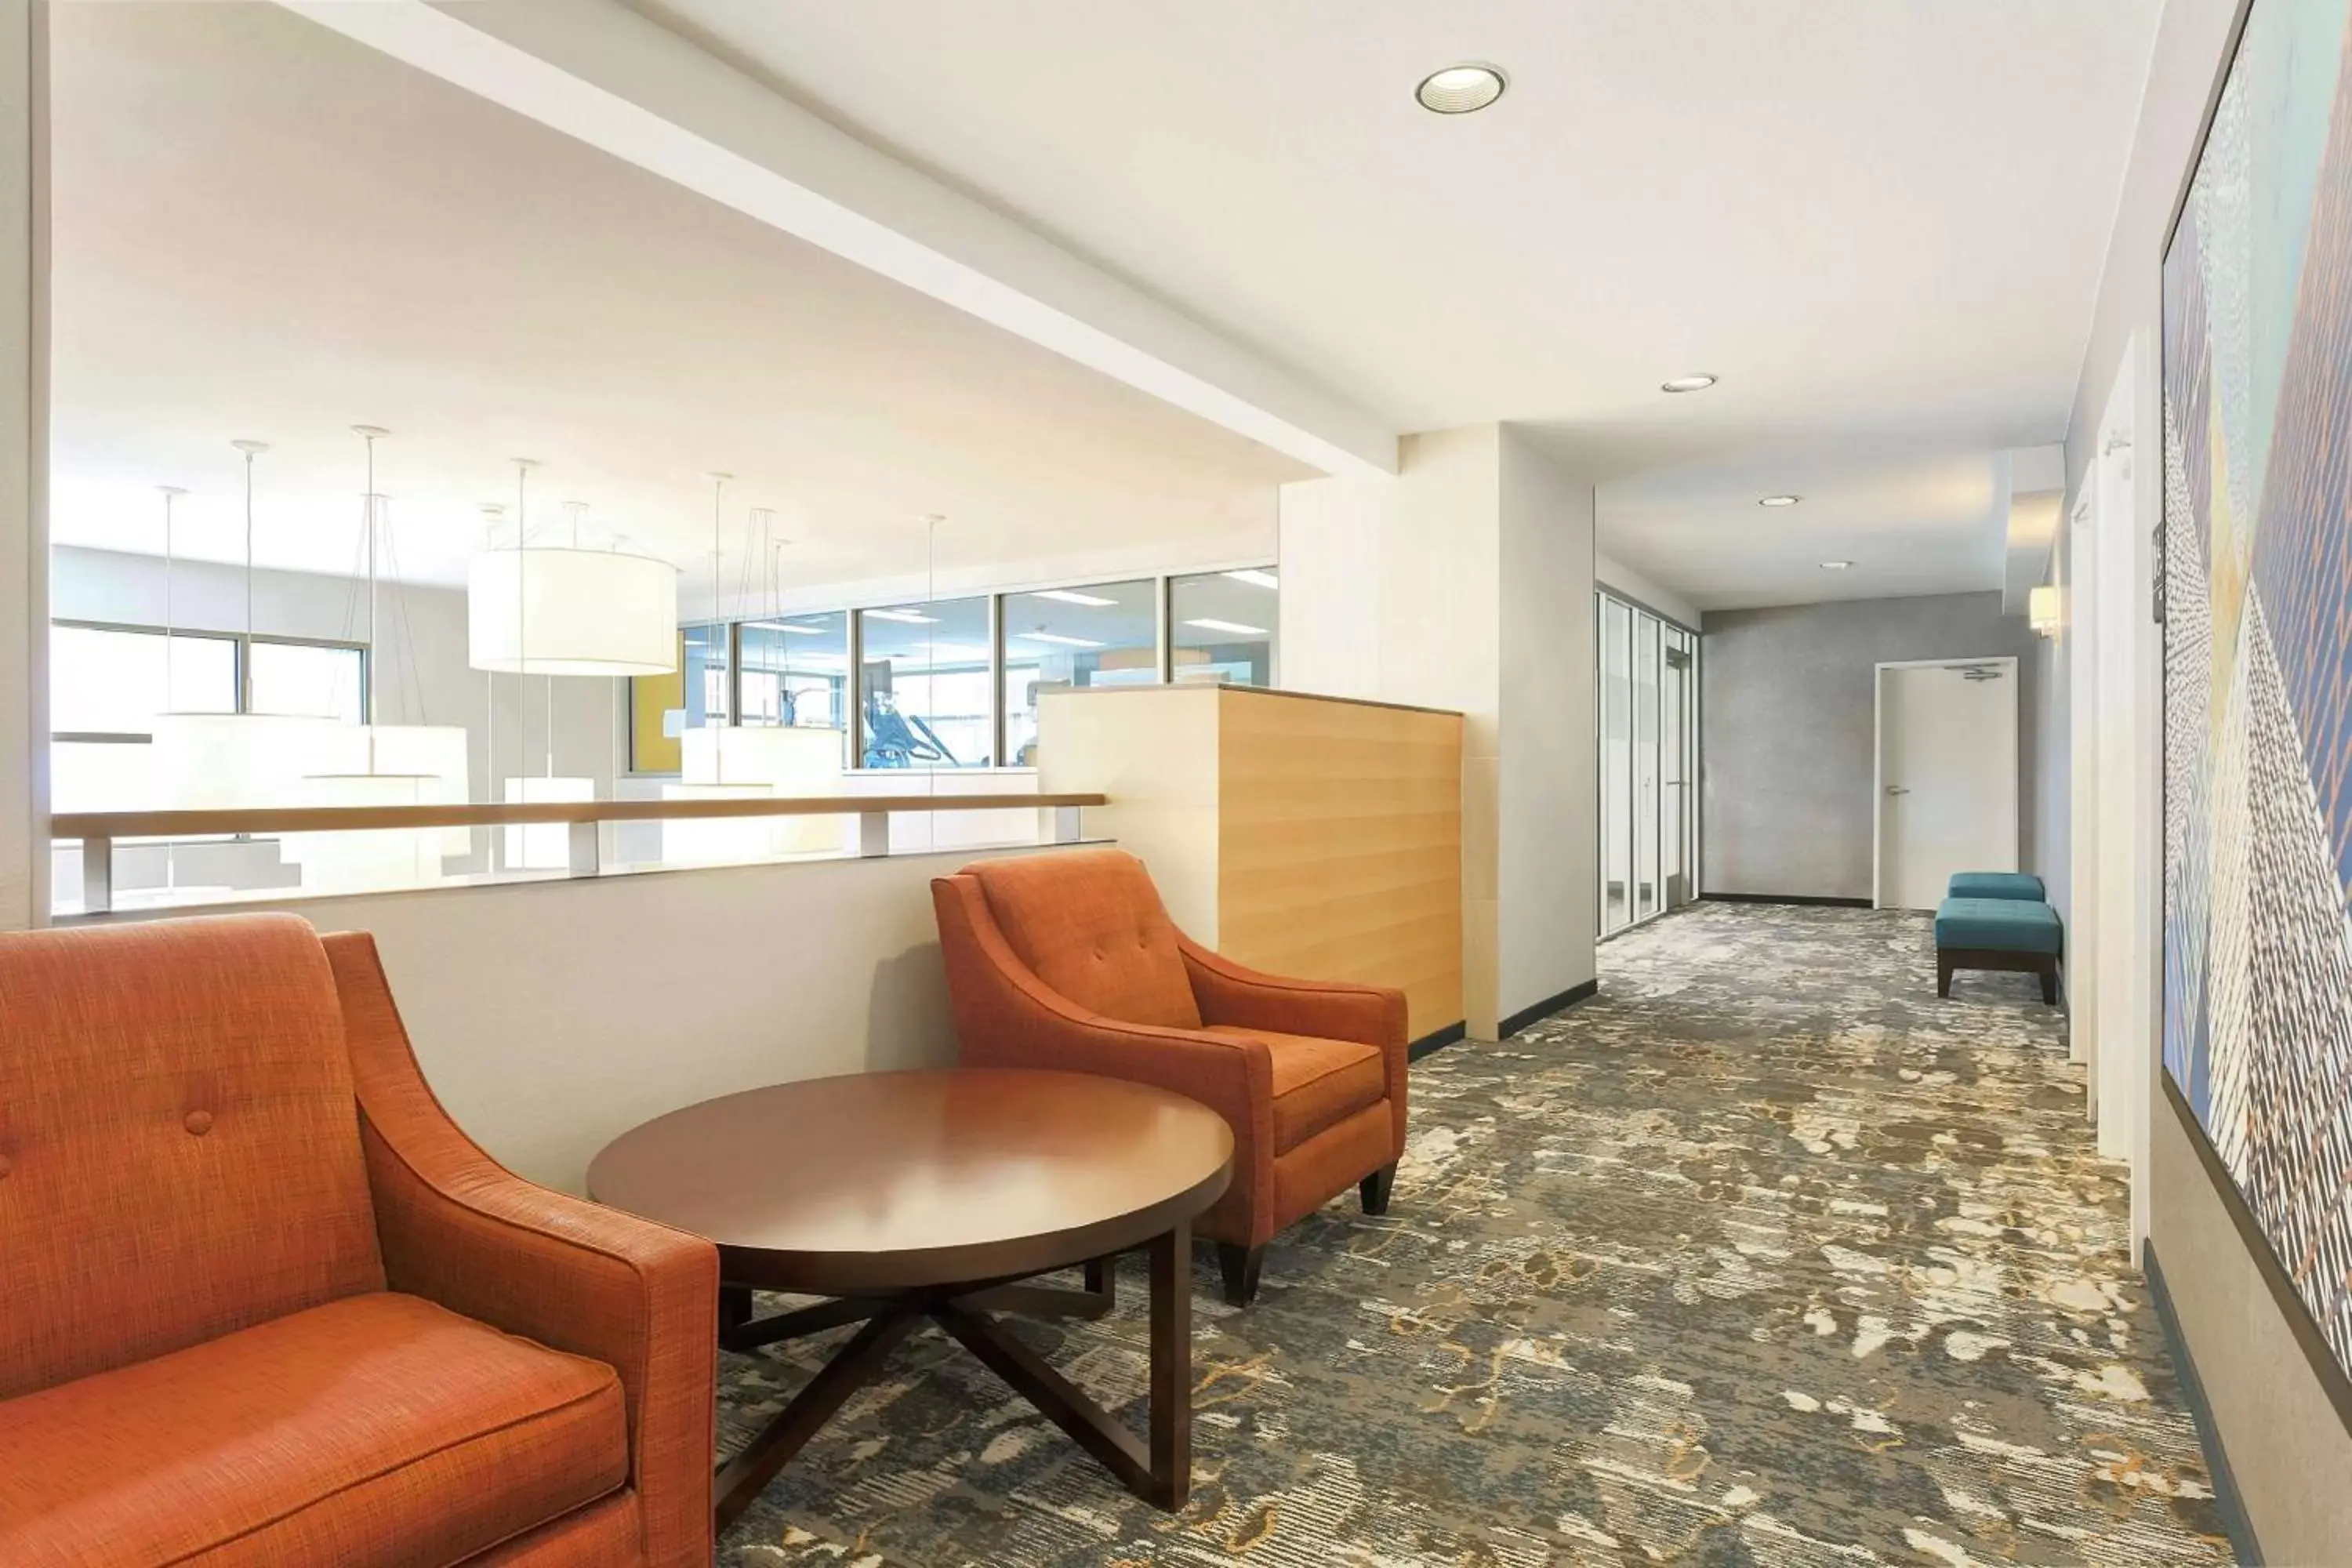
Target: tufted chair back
1090,924
179,1143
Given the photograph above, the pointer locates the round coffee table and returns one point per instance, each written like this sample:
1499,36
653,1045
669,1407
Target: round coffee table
908,1195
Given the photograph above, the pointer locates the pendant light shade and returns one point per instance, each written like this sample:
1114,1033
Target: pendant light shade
537,610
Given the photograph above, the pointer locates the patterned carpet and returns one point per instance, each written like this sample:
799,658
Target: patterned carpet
1763,1256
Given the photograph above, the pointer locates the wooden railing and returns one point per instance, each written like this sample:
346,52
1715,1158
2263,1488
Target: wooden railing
97,830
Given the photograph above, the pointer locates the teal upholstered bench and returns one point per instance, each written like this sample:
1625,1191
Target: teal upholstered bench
1998,933
1995,885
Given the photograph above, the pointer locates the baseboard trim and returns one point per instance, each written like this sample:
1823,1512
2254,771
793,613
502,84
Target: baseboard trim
1805,899
1546,1007
1435,1040
2243,1546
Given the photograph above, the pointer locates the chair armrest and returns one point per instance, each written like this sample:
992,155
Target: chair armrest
457,1228
1233,995
1006,1016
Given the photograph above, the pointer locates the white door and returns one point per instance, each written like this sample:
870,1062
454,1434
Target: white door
1947,775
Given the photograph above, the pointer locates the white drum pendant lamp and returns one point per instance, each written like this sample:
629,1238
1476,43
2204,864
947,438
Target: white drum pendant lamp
540,609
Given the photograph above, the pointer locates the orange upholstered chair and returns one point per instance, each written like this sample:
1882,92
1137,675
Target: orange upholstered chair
1069,960
262,1303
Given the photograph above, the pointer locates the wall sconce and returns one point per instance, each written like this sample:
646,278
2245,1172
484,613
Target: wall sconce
2041,610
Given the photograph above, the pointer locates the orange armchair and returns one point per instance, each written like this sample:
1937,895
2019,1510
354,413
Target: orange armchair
1069,960
265,1304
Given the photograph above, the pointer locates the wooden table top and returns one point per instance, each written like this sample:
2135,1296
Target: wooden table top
894,1181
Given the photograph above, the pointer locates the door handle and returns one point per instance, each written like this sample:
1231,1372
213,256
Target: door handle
1899,789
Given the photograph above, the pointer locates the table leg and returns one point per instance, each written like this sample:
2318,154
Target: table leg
1162,1472
739,1480
1171,1368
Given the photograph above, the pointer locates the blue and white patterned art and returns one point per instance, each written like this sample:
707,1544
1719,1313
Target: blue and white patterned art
2258,644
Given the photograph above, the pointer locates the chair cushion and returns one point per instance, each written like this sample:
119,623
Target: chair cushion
1317,1083
181,1138
2004,925
380,1429
1090,924
1995,885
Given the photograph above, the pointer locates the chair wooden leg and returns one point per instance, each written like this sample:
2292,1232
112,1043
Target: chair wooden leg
1374,1189
1240,1267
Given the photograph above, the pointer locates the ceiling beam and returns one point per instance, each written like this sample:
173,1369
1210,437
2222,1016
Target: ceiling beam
600,72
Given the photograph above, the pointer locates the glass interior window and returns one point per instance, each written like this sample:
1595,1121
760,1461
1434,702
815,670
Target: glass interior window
707,698
112,682
924,685
1222,625
796,672
1103,635
310,681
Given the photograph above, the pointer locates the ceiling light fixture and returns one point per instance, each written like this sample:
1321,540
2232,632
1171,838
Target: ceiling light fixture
1257,577
1460,90
1687,384
1057,637
1779,500
1235,627
1071,596
1836,565
910,617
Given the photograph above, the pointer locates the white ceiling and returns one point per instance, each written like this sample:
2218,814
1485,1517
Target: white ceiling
1881,222
263,230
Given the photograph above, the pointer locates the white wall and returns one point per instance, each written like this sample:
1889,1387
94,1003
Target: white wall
1467,584
24,446
1549,846
550,1017
1645,591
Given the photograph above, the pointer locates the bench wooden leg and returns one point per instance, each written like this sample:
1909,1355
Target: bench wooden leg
1942,971
2049,973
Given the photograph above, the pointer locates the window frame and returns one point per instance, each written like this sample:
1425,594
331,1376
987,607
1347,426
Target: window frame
241,645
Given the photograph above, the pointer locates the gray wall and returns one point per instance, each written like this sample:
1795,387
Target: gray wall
1787,732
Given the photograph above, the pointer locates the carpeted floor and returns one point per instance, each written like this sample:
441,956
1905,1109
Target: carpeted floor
1763,1256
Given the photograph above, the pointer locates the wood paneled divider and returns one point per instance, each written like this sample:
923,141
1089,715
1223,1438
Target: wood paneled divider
1309,836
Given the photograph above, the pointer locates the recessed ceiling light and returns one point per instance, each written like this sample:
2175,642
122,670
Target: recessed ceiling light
910,617
1836,565
1779,500
787,627
1071,596
1459,89
1235,627
1687,384
1257,577
1056,636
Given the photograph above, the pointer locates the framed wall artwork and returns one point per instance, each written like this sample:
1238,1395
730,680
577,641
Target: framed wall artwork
2257,566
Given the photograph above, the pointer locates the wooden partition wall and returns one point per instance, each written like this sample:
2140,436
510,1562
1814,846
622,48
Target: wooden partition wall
1314,836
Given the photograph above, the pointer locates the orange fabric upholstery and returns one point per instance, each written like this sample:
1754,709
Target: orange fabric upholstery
182,1144
1309,1074
1317,1083
1090,925
378,1430
460,1229
539,1392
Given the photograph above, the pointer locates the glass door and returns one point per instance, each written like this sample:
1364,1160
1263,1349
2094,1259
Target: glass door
1647,668
1616,667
